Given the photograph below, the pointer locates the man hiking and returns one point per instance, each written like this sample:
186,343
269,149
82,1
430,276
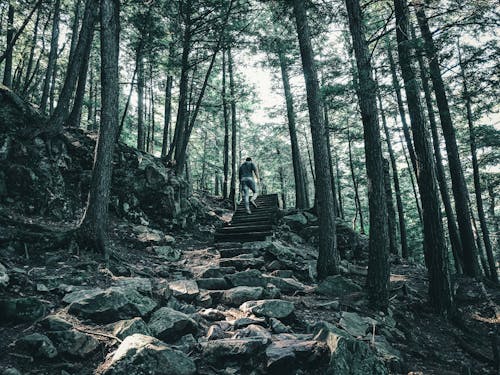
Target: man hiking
245,173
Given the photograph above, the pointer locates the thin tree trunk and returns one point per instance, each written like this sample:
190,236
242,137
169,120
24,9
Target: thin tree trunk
456,242
140,102
379,238
74,29
232,93
339,188
94,223
51,65
7,72
61,112
477,179
152,98
29,68
436,254
391,213
357,201
90,102
328,259
458,185
225,192
127,104
395,177
167,116
300,199
330,160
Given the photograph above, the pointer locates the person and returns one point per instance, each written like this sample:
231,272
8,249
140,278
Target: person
247,183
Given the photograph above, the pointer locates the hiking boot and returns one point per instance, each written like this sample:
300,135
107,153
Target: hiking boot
248,211
253,203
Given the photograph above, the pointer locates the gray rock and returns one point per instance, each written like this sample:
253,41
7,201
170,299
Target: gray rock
242,262
246,321
216,351
247,278
282,273
271,308
110,305
141,284
37,345
169,325
186,290
253,330
355,324
4,276
236,296
278,327
129,327
271,291
73,342
337,286
286,285
26,309
212,314
295,221
204,299
217,272
348,355
285,356
215,332
168,253
311,219
140,355
55,323
214,283
185,344
11,371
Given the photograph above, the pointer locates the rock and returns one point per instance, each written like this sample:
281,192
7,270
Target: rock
215,332
212,314
278,327
169,325
185,344
311,219
391,357
73,342
37,345
4,276
337,286
55,323
141,284
218,351
11,371
186,290
271,308
246,278
285,356
214,283
20,310
236,296
204,299
129,327
109,305
271,291
242,262
246,321
355,324
168,253
295,221
140,355
217,272
348,355
282,273
286,285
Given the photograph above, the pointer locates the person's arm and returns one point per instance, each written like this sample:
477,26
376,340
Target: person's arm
256,171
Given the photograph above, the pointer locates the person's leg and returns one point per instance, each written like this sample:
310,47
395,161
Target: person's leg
246,195
255,194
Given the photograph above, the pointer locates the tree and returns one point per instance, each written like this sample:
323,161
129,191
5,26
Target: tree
436,256
51,65
93,227
328,259
378,264
7,72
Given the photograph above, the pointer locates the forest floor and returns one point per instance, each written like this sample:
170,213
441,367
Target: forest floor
426,343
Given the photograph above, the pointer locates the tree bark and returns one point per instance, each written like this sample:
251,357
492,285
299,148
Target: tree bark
339,189
458,185
94,223
61,112
435,252
140,101
74,29
51,65
300,194
357,201
225,192
232,93
379,238
328,259
477,179
395,178
29,67
167,115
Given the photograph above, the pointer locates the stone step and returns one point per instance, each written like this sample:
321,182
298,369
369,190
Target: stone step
246,228
232,252
243,237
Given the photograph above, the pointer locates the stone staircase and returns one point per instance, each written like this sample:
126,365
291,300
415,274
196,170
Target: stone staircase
256,226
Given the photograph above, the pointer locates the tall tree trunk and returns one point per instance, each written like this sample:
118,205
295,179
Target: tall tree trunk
300,194
29,68
51,65
379,238
477,179
141,141
167,116
74,29
458,185
225,112
357,201
330,159
61,112
328,259
339,188
152,98
7,72
127,103
52,92
232,93
90,102
436,255
492,215
391,213
395,178
456,242
94,224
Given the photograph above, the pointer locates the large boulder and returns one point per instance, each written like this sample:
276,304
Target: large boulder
109,305
74,342
128,327
169,325
270,308
37,345
20,310
246,278
348,355
186,290
286,356
244,349
236,296
295,221
141,355
337,286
